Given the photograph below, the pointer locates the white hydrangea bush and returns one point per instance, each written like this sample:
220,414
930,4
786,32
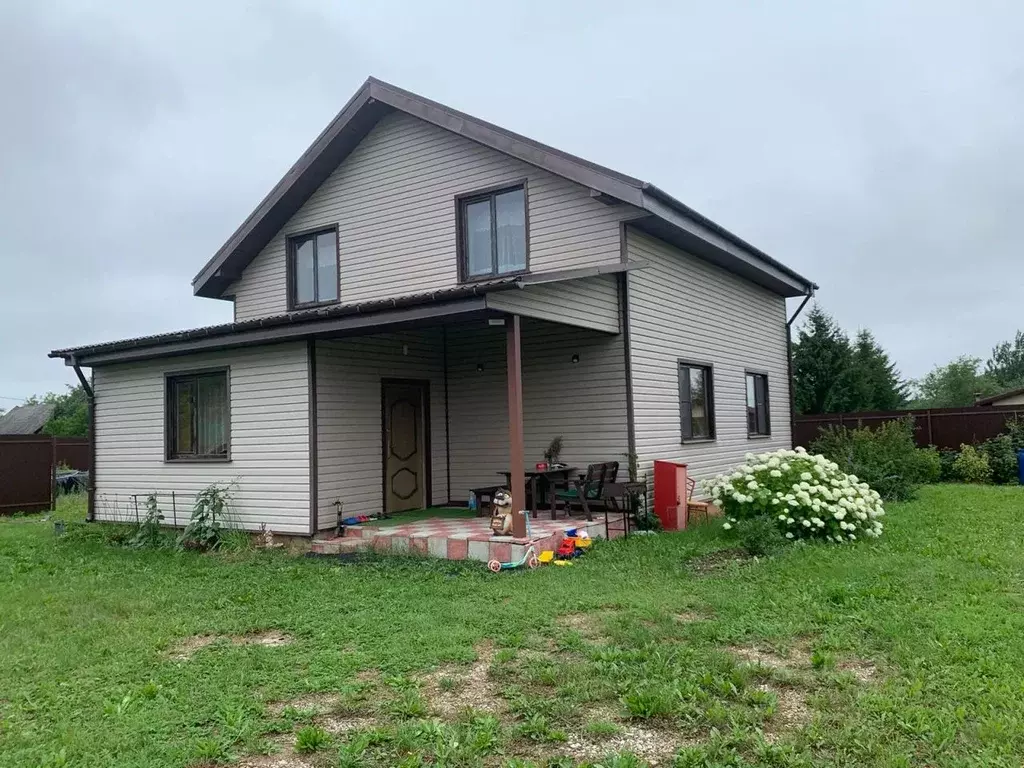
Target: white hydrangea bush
808,496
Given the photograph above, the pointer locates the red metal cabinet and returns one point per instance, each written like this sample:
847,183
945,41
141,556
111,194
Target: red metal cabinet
670,494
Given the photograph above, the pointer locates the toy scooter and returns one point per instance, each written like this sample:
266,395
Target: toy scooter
529,558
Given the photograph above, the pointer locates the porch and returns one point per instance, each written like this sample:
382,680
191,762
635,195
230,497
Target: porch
457,538
418,417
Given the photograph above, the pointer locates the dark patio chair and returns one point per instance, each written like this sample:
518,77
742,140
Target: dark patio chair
588,490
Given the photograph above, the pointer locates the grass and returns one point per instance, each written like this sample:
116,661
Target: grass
906,651
418,515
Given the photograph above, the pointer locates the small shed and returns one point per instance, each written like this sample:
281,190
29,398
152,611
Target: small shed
26,419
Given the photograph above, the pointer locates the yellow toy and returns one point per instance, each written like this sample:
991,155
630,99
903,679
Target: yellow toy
546,556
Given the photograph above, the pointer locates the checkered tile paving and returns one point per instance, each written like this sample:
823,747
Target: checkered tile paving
462,539
471,529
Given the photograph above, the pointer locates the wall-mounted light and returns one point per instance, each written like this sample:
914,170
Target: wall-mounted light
479,367
575,358
405,349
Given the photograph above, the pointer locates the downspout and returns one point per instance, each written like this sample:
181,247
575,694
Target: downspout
90,514
789,366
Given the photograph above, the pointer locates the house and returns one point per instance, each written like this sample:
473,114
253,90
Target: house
426,299
1011,397
26,419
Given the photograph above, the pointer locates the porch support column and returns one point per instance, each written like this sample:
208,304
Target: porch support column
514,365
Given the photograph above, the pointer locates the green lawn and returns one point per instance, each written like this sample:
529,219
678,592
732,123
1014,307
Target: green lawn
906,651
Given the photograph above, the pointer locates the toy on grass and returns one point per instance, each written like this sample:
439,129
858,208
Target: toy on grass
529,558
567,549
546,556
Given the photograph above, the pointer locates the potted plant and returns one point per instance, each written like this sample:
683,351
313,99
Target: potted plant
553,451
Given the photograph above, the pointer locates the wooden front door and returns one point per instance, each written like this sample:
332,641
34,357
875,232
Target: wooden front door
406,468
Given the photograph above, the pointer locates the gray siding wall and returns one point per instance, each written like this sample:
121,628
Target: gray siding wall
682,307
393,201
348,381
584,402
269,467
592,302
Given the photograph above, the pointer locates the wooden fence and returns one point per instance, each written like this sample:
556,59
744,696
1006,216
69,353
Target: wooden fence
942,427
28,464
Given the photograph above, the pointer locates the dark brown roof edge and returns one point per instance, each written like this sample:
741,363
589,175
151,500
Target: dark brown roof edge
1000,396
305,317
579,170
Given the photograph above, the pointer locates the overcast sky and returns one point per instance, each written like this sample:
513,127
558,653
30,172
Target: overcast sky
877,148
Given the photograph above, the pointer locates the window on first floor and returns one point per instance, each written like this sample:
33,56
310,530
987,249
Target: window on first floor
313,268
758,422
492,233
198,417
696,401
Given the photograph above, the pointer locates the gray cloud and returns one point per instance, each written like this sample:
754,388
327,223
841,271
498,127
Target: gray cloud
876,147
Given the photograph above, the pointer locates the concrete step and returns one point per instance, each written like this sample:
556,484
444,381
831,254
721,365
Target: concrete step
336,546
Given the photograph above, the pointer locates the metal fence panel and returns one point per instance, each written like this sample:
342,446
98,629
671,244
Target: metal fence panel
945,428
27,464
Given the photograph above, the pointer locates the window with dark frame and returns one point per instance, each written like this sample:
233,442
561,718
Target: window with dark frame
696,401
313,268
198,416
758,422
492,233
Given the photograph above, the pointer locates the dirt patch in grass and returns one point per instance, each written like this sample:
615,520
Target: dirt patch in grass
187,648
864,671
655,746
337,725
791,712
716,561
452,688
272,761
319,703
687,617
799,657
588,625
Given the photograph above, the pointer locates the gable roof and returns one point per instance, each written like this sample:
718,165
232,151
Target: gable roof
667,217
25,419
994,399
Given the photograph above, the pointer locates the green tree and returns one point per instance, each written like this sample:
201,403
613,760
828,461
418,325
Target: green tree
822,358
1006,366
70,413
956,384
874,382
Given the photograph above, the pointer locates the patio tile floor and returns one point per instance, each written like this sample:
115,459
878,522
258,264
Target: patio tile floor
461,538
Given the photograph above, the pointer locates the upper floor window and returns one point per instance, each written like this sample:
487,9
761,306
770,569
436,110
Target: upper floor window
696,401
313,268
757,405
492,233
197,416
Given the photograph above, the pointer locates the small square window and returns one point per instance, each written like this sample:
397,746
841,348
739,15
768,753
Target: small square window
696,401
758,422
197,419
492,234
313,269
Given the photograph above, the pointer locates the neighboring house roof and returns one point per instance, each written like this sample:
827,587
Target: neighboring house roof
331,320
994,399
25,419
667,218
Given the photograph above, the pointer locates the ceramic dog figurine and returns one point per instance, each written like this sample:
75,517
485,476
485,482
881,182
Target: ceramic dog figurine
501,513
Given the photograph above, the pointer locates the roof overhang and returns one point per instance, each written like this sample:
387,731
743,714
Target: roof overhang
375,99
461,303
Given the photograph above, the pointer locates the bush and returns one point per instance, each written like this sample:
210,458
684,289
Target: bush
885,457
972,466
928,463
806,496
947,459
1014,429
1002,459
758,536
205,527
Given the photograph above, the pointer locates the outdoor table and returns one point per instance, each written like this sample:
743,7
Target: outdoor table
532,476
